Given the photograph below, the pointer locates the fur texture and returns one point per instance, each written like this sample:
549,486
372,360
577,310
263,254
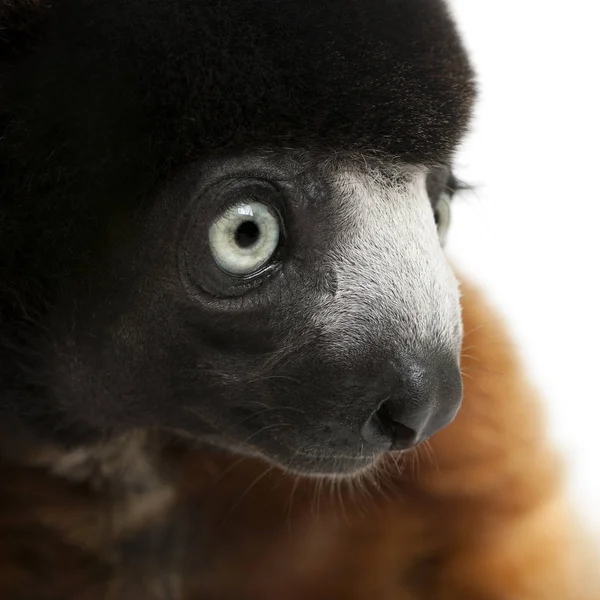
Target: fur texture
129,126
155,409
477,514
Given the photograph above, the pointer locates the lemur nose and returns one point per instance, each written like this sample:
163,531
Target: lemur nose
426,398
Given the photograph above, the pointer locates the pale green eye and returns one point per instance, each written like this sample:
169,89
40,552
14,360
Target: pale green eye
442,217
244,238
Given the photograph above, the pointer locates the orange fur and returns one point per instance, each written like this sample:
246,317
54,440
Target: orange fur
476,514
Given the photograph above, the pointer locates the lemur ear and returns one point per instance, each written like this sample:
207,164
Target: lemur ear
19,24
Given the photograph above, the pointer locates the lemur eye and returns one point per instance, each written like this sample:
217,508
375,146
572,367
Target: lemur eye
244,238
441,214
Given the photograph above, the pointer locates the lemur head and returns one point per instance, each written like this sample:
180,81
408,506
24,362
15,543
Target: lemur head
219,218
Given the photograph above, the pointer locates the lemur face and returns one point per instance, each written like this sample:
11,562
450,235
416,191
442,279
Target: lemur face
297,309
229,239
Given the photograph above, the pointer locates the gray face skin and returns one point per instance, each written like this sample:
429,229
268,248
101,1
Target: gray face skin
300,309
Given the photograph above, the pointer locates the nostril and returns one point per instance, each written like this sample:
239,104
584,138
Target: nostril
376,433
383,431
421,396
402,437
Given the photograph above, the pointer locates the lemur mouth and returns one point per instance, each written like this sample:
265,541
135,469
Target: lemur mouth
333,466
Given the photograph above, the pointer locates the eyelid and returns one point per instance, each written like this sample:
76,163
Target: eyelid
440,181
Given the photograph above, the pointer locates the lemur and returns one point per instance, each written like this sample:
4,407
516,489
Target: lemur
230,340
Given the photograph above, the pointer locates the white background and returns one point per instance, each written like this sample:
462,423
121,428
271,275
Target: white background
530,231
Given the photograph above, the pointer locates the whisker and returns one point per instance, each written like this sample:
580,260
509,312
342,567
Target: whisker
197,414
268,409
340,495
427,448
272,377
229,469
290,505
250,487
265,428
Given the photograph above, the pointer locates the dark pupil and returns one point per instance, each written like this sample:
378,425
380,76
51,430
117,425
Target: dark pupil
247,234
